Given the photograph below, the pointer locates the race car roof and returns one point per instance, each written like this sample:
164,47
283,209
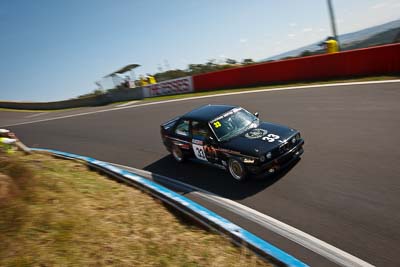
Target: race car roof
207,112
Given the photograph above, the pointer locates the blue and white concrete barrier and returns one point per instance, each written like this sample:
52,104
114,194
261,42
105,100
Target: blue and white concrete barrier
194,210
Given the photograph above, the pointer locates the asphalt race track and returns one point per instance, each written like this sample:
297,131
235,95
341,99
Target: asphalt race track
345,190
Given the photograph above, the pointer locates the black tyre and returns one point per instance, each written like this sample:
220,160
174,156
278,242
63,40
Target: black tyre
237,170
177,153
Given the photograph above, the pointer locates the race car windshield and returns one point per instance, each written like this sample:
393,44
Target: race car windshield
233,123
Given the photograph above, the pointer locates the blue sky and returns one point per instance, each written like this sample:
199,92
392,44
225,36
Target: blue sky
54,50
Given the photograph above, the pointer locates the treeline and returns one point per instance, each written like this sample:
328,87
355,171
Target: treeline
194,69
95,92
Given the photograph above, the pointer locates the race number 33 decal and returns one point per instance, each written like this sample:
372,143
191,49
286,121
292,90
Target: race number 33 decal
199,152
271,138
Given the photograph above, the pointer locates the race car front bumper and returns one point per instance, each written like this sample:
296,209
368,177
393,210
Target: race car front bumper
280,162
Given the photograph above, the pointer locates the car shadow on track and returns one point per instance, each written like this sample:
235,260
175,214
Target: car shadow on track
213,179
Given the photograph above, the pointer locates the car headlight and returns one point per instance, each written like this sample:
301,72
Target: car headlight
268,155
247,160
294,139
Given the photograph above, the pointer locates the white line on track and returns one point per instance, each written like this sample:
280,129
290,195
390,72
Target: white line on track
312,243
36,115
207,96
127,104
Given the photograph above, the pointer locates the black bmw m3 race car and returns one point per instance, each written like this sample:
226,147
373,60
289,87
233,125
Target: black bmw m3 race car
232,138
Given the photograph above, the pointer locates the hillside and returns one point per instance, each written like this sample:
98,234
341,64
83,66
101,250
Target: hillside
376,35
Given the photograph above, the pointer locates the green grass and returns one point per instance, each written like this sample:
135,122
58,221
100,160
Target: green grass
37,110
58,213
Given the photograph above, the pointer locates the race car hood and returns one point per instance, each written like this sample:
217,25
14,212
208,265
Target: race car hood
258,141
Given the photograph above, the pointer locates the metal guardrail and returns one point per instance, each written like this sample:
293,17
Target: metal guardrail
199,213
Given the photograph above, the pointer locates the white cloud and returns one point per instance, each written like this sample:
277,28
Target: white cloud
291,35
243,40
292,24
322,30
307,30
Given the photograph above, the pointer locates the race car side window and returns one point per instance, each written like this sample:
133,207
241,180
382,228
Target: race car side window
199,130
182,128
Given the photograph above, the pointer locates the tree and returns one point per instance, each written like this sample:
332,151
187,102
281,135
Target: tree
397,38
95,92
305,53
247,61
195,68
230,61
170,74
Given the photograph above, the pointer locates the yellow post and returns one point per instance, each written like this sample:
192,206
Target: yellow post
152,80
7,145
143,81
332,46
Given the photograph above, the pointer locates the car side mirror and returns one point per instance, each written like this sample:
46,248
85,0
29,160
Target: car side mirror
256,114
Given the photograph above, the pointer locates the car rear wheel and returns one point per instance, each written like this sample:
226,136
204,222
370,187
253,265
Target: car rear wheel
237,170
177,153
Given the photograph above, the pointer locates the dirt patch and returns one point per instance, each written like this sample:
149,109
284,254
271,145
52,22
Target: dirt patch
6,187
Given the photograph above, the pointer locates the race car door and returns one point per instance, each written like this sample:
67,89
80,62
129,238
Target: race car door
182,136
202,150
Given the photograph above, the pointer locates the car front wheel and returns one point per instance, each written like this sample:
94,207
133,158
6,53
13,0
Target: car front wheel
237,170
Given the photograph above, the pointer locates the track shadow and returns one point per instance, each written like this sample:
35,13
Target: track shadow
213,179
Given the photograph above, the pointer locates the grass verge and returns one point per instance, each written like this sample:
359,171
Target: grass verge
38,110
58,213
